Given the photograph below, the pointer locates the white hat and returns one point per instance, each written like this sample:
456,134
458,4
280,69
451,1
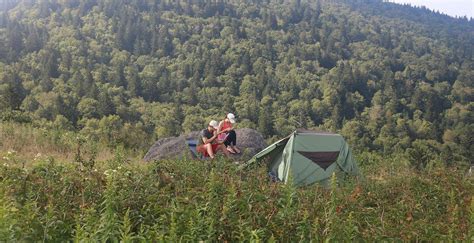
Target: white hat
231,117
214,124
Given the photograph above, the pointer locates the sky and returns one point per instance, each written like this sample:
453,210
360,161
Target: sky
450,7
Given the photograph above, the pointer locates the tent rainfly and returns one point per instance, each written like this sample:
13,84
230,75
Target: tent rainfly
308,157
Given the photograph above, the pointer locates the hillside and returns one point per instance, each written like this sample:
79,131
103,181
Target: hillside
391,77
87,86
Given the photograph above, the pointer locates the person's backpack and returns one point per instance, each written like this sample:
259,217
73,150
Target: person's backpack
192,144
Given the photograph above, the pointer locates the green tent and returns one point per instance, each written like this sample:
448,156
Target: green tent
308,157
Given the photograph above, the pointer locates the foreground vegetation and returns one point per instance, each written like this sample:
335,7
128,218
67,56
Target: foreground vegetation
81,197
88,85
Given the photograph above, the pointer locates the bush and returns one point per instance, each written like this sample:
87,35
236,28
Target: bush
14,116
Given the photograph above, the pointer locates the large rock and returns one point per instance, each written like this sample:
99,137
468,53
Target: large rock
248,140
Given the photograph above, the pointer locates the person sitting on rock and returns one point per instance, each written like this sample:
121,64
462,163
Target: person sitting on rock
227,134
208,143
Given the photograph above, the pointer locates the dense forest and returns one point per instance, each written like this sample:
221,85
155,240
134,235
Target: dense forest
391,78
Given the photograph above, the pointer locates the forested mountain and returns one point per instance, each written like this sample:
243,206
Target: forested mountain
391,78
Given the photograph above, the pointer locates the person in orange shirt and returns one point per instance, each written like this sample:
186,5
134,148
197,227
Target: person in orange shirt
227,133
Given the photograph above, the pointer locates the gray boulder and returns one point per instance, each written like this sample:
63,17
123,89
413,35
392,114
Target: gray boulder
248,140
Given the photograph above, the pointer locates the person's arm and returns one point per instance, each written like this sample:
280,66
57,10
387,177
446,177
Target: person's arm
219,130
209,140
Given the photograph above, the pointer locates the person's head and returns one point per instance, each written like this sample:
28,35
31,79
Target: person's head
230,117
213,125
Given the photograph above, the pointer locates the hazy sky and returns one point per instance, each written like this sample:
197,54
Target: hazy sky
449,7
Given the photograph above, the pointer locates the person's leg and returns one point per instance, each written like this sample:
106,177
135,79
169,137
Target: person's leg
227,141
228,144
230,149
201,149
237,150
209,150
224,150
233,141
232,138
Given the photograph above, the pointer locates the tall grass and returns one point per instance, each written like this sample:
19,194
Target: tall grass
184,201
31,142
84,196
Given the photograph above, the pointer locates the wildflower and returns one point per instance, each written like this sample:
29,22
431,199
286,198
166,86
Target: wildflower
110,172
37,156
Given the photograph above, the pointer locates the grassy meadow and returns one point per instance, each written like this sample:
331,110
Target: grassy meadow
57,186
